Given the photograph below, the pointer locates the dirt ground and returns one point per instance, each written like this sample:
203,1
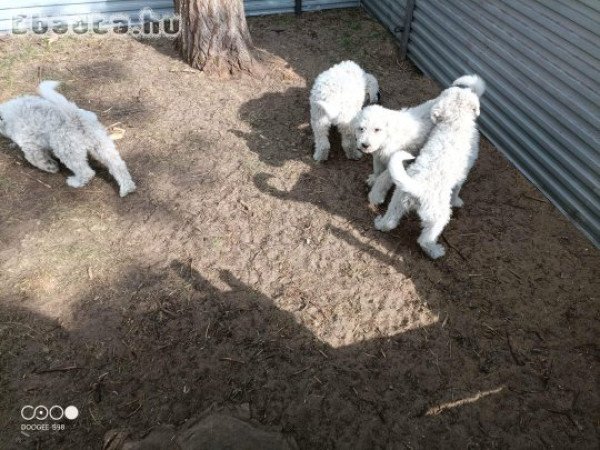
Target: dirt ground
244,275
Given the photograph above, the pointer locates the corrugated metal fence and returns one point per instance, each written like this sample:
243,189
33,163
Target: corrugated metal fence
71,9
389,12
541,60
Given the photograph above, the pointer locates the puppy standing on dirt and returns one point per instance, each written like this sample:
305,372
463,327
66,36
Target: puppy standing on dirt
382,132
337,95
50,126
431,184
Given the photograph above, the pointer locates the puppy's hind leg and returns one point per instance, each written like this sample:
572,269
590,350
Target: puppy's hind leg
108,155
456,201
82,172
320,127
39,157
349,142
430,234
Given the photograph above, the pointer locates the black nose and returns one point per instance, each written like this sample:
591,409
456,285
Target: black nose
364,145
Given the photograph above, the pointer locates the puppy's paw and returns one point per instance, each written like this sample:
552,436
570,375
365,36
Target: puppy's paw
384,224
321,154
434,251
76,182
376,197
457,202
127,189
371,180
354,154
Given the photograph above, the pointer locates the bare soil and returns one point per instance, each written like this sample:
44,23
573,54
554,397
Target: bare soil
244,275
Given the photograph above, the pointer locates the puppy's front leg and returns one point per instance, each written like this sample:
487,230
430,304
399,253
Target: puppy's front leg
396,209
40,158
378,169
380,188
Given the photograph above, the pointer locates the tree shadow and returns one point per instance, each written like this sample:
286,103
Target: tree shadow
227,345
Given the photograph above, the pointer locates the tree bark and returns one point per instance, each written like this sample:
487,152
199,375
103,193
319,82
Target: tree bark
214,37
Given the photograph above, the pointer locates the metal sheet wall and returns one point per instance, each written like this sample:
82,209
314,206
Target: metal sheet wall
541,60
70,9
389,12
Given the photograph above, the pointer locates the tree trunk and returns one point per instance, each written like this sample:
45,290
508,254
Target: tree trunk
214,37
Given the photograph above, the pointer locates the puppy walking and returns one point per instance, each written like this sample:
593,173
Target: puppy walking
50,125
338,94
432,183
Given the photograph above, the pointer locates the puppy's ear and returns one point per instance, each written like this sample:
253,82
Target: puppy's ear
439,113
444,111
436,114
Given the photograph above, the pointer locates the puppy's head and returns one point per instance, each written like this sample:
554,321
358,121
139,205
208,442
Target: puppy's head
371,129
372,88
455,103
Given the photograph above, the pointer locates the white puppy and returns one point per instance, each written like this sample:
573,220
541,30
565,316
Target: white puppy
337,95
431,184
50,126
382,132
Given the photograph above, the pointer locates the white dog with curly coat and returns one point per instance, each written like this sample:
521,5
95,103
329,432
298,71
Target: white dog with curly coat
50,126
430,185
382,132
337,95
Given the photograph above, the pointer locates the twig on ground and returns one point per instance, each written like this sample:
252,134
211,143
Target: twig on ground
535,199
512,351
58,369
233,360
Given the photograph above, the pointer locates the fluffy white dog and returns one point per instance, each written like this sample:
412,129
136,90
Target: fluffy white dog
382,132
337,95
50,125
431,184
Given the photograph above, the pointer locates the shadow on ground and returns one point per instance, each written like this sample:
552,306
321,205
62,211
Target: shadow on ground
155,337
240,349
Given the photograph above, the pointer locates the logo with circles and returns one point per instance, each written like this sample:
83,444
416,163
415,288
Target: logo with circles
55,412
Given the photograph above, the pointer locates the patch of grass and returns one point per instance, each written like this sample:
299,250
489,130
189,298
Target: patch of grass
355,25
26,50
347,42
284,20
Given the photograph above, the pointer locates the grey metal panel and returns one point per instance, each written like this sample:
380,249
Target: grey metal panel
263,7
541,60
70,9
389,12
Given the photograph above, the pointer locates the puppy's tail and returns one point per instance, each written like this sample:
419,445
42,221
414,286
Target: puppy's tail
473,82
399,175
47,90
